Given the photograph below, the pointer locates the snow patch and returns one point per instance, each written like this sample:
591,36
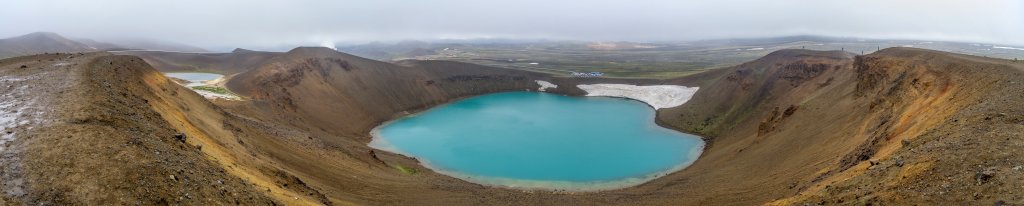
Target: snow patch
544,85
658,96
8,120
11,79
16,112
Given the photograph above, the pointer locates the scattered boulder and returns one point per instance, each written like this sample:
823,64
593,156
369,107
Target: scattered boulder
23,66
985,175
789,111
373,154
180,137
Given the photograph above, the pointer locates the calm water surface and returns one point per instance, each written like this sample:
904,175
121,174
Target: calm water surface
536,140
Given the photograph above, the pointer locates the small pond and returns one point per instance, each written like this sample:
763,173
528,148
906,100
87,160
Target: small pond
194,78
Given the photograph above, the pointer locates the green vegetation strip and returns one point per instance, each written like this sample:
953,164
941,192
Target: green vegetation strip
406,170
218,90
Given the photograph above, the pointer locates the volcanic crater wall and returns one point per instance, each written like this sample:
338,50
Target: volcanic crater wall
350,95
797,121
806,121
794,127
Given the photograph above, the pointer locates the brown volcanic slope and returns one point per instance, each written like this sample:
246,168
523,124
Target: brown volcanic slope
348,95
901,126
38,43
96,129
940,128
238,61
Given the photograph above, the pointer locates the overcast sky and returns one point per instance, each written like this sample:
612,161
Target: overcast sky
265,23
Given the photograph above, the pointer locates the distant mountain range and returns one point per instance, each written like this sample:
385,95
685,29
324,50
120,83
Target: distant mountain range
40,42
49,42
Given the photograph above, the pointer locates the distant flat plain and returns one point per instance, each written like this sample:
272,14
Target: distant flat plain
659,60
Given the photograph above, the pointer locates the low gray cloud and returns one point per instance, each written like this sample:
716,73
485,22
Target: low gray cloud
265,23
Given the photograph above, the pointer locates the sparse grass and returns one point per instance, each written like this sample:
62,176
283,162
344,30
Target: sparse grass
406,170
218,90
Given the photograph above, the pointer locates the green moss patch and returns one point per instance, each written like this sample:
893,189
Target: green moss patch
406,170
218,90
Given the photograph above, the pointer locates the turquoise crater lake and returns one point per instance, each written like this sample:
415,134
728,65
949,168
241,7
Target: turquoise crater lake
532,140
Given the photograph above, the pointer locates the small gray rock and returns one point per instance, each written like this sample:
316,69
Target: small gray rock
985,175
180,136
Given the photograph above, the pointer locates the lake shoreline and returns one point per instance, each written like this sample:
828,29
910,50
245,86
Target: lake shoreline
377,142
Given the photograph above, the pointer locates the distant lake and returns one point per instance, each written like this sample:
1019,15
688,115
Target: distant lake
534,140
195,78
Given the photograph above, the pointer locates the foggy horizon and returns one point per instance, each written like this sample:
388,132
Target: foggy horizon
274,24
